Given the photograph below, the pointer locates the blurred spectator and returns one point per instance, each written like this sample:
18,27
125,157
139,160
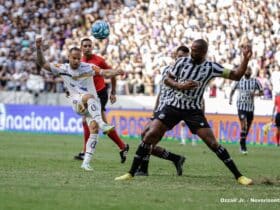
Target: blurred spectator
263,77
143,35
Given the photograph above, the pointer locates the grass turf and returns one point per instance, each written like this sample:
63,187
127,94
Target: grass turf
38,171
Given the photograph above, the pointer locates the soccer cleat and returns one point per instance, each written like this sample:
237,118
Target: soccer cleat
243,180
244,152
179,165
123,153
80,156
86,167
106,128
124,177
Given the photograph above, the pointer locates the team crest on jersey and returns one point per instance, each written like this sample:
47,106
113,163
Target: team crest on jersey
161,116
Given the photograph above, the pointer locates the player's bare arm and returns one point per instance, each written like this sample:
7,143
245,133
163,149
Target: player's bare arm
240,70
111,73
187,85
40,57
113,98
231,95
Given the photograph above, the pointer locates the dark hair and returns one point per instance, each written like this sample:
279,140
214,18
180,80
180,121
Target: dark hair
183,48
203,44
74,49
85,39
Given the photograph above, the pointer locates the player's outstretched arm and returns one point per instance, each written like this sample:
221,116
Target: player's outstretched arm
240,70
40,57
111,73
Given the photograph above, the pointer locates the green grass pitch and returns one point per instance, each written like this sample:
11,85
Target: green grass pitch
38,172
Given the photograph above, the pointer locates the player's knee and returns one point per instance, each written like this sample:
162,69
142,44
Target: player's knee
86,97
93,127
152,136
143,133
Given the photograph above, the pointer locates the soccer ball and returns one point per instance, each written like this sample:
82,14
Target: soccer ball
100,29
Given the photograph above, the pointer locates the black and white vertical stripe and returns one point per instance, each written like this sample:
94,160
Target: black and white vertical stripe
184,70
165,91
247,87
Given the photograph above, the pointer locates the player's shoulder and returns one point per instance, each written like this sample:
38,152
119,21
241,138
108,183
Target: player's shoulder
61,66
99,57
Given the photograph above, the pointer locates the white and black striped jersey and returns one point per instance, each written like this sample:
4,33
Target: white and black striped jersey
247,87
165,90
183,70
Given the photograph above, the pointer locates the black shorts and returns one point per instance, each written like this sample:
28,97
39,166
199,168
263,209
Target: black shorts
171,116
246,115
277,119
103,96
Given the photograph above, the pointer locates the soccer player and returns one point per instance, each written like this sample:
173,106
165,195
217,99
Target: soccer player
77,78
157,151
89,57
276,108
248,87
188,79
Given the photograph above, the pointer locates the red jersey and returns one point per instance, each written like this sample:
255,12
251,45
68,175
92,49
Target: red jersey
99,61
277,103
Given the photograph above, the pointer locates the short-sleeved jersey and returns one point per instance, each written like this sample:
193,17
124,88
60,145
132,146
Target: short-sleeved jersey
247,87
98,79
185,69
165,90
81,85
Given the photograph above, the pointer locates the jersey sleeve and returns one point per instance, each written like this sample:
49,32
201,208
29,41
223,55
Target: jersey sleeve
56,68
177,68
103,64
219,70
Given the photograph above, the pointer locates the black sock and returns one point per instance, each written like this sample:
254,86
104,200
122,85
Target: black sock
243,140
222,153
170,156
142,151
145,164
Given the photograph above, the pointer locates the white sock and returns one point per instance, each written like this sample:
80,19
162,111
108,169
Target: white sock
94,110
183,135
90,148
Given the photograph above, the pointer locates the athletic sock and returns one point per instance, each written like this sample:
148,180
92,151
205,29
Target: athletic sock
243,140
224,156
278,138
115,138
164,154
145,164
90,148
142,151
86,135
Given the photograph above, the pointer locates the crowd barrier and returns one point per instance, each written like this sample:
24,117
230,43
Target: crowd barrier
128,122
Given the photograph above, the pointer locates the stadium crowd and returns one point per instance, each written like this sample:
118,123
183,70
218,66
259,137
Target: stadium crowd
142,38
